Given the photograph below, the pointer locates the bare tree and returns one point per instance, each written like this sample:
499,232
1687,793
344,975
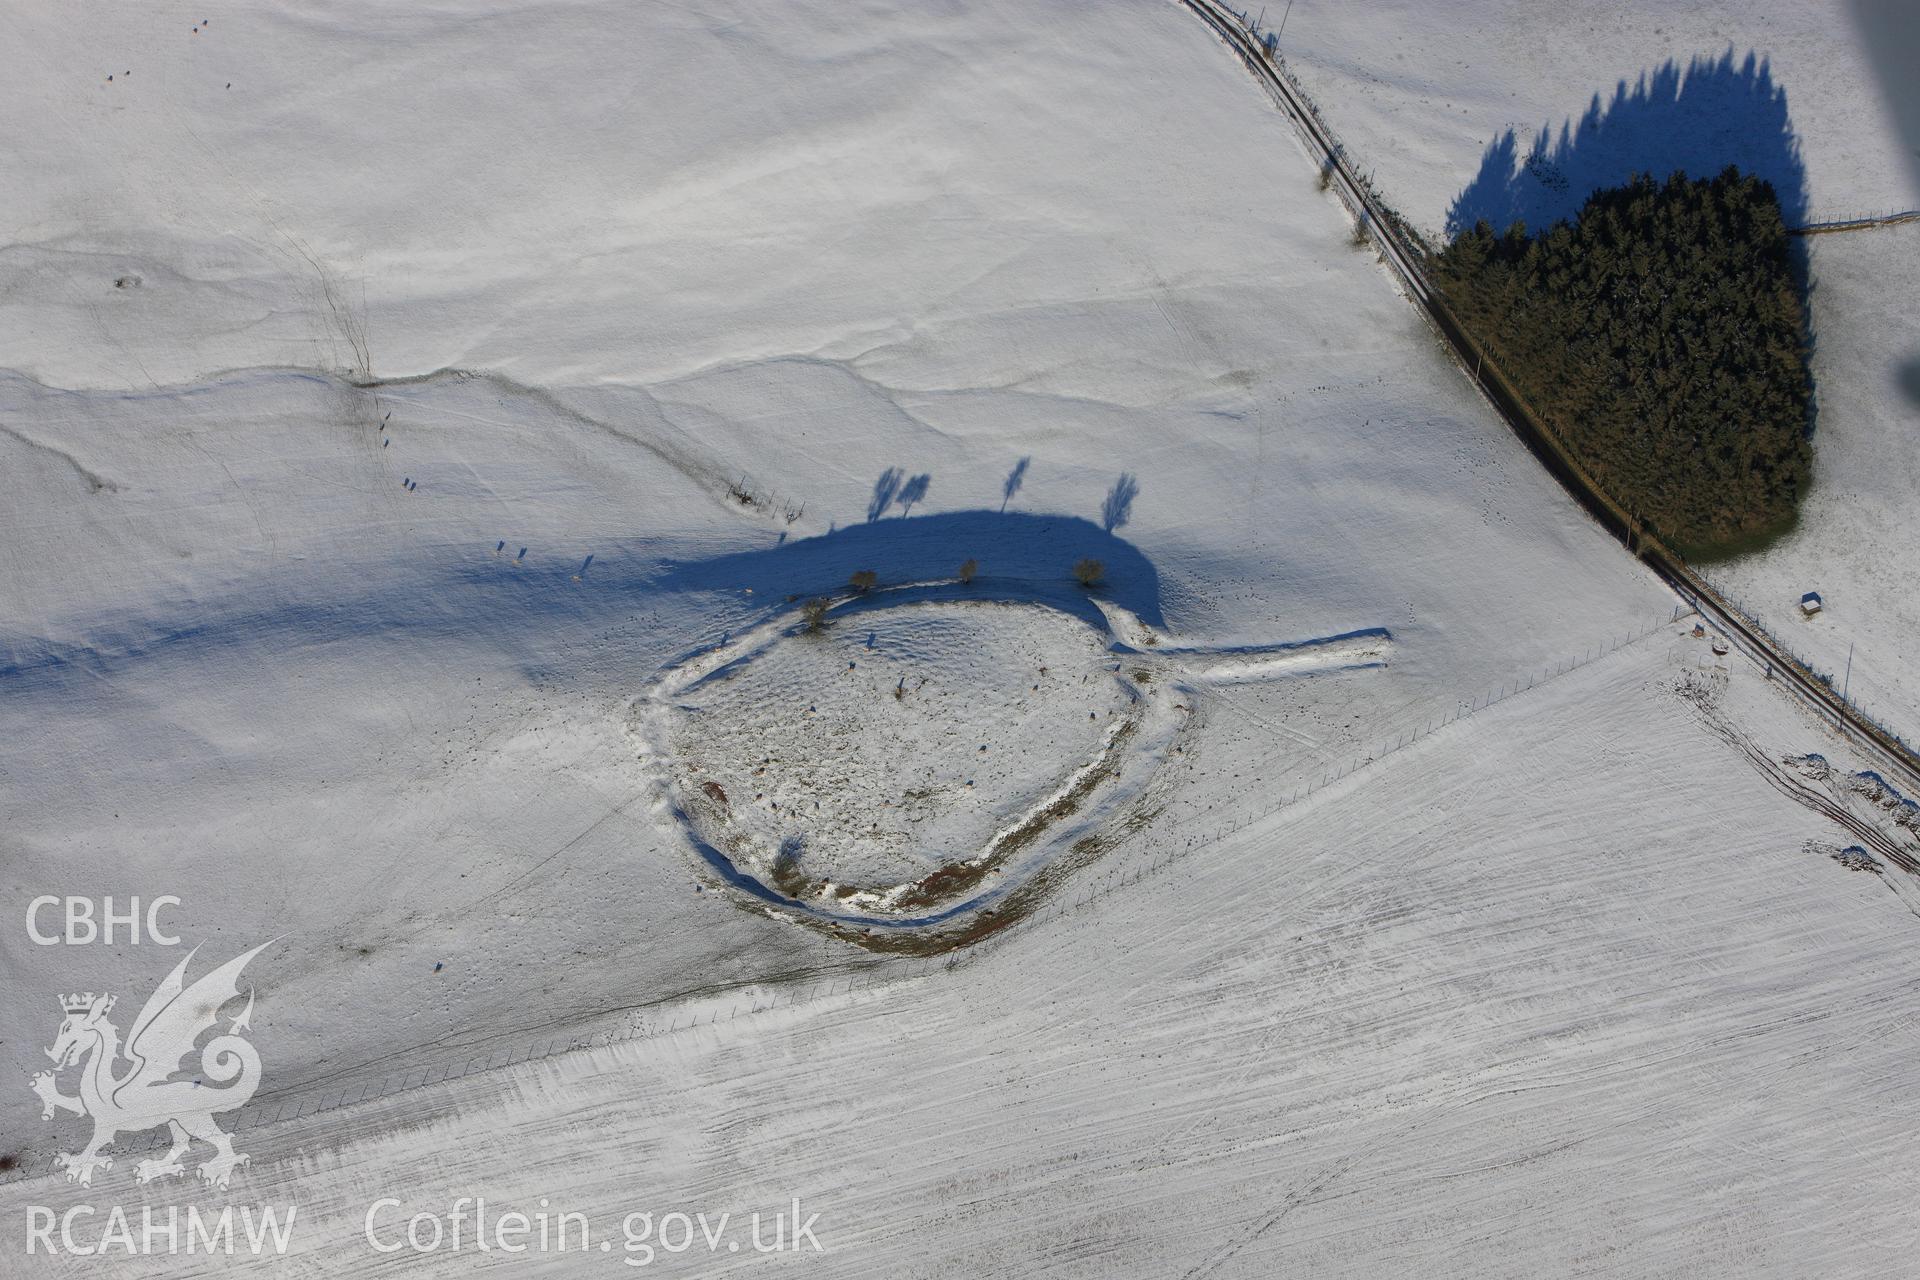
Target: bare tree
968,569
863,580
1089,572
813,614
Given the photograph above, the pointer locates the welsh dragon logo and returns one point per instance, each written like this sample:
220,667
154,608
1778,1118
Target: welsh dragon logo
159,1087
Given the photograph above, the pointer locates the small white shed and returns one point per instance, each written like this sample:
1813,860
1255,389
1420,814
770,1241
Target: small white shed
1810,604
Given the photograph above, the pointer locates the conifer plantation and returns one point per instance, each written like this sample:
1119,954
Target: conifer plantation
1663,337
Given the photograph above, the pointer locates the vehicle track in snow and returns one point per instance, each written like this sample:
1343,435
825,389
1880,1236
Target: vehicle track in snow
1800,792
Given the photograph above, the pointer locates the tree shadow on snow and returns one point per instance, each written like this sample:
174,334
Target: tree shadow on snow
1040,549
1715,113
520,606
1908,376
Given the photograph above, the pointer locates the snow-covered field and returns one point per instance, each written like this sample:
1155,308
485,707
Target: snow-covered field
416,457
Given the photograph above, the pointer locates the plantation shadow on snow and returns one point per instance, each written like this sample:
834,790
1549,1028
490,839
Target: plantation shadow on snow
1714,114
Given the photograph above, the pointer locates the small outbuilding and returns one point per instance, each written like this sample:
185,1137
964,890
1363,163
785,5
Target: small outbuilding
1810,604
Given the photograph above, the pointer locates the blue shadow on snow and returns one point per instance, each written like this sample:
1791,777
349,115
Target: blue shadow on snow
1014,544
523,611
1718,112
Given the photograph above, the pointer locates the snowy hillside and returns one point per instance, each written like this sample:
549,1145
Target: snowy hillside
415,464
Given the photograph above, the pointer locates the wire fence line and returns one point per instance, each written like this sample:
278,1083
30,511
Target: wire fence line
1856,222
1193,842
1859,708
1183,841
